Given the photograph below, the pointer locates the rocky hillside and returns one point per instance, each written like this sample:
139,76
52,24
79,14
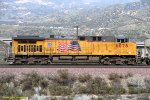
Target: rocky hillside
130,19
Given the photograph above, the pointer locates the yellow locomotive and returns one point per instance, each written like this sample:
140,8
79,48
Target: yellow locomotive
89,49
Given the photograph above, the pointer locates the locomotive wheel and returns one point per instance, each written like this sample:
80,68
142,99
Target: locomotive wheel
31,61
17,62
120,62
25,62
44,61
106,61
148,62
131,61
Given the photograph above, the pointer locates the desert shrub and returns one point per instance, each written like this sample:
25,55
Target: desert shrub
84,78
63,77
59,90
116,86
128,75
10,90
43,83
137,85
147,84
31,80
98,86
34,83
135,90
116,83
43,92
8,85
54,98
115,76
99,98
83,90
27,85
29,93
143,96
3,89
7,78
118,90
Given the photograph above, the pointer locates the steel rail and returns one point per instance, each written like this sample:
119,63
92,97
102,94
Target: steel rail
73,66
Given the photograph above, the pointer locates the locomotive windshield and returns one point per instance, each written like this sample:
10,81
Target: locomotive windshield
122,39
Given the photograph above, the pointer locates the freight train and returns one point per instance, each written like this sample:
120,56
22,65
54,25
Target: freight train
105,50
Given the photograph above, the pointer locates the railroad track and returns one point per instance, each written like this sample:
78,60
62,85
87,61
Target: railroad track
73,66
95,70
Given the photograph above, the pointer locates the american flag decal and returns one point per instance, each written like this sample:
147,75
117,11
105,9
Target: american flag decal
73,46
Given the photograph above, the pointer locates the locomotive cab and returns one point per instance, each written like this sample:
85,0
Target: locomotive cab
122,39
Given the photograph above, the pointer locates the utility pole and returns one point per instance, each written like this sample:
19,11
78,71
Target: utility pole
77,31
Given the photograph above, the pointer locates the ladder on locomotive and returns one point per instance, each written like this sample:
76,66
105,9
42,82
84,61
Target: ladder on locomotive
139,54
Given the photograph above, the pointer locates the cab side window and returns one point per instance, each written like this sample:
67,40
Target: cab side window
18,48
122,40
24,48
37,48
40,48
34,48
21,48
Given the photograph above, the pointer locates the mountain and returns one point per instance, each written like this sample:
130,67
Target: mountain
98,17
15,10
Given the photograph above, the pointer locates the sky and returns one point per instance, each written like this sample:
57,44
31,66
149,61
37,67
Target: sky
41,2
44,2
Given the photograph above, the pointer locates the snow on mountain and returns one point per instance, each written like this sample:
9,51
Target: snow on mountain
40,2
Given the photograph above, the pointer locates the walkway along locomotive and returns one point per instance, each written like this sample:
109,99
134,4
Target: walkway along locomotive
84,49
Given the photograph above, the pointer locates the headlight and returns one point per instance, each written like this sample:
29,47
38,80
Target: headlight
129,52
